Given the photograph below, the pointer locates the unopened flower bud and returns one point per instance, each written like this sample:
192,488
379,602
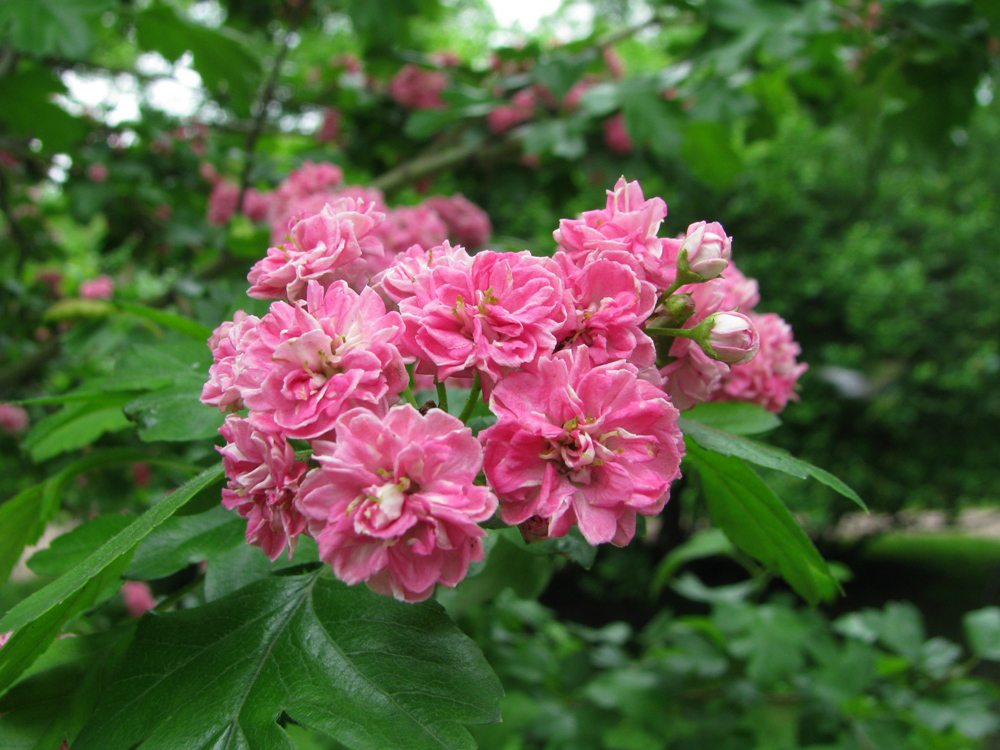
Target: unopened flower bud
679,308
729,337
706,250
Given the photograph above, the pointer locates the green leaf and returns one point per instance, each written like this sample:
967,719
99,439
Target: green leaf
735,417
72,548
183,540
757,522
51,27
54,701
38,618
762,455
35,114
169,320
560,137
174,414
234,568
982,630
76,425
370,671
22,520
708,152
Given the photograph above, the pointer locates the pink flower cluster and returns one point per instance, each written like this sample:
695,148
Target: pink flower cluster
414,87
583,359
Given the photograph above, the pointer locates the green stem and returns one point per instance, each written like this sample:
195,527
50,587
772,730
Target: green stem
470,403
442,396
670,290
408,395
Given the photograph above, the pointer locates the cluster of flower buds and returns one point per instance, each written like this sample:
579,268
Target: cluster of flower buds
584,360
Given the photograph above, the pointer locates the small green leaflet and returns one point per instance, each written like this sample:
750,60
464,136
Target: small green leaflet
372,672
762,455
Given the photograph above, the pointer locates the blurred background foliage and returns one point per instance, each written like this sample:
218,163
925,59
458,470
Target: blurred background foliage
849,147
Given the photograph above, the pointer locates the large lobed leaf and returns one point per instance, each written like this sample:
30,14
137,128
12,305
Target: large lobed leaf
372,672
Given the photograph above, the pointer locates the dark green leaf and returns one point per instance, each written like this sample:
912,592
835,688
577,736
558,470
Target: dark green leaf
174,414
763,455
757,522
709,154
182,540
54,701
372,672
707,543
234,568
22,520
51,27
77,424
36,115
38,618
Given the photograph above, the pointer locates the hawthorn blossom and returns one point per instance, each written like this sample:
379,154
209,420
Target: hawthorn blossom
706,249
228,343
315,359
414,87
13,418
396,282
338,243
616,137
468,225
693,376
521,109
740,293
97,172
393,502
500,313
99,287
581,444
624,231
138,598
609,305
769,378
410,225
263,477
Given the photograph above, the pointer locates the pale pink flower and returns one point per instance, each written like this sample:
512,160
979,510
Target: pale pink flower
706,249
13,418
283,215
138,598
571,102
101,287
624,231
338,243
502,312
256,205
616,137
394,503
396,282
769,378
410,225
468,225
609,304
310,178
414,87
575,443
733,338
263,478
228,343
328,353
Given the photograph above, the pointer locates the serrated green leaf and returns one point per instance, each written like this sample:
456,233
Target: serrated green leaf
372,672
763,455
757,522
182,540
73,547
174,414
735,417
38,618
982,630
239,566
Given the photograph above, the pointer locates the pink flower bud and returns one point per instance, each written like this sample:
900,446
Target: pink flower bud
707,249
13,418
733,338
101,287
138,598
